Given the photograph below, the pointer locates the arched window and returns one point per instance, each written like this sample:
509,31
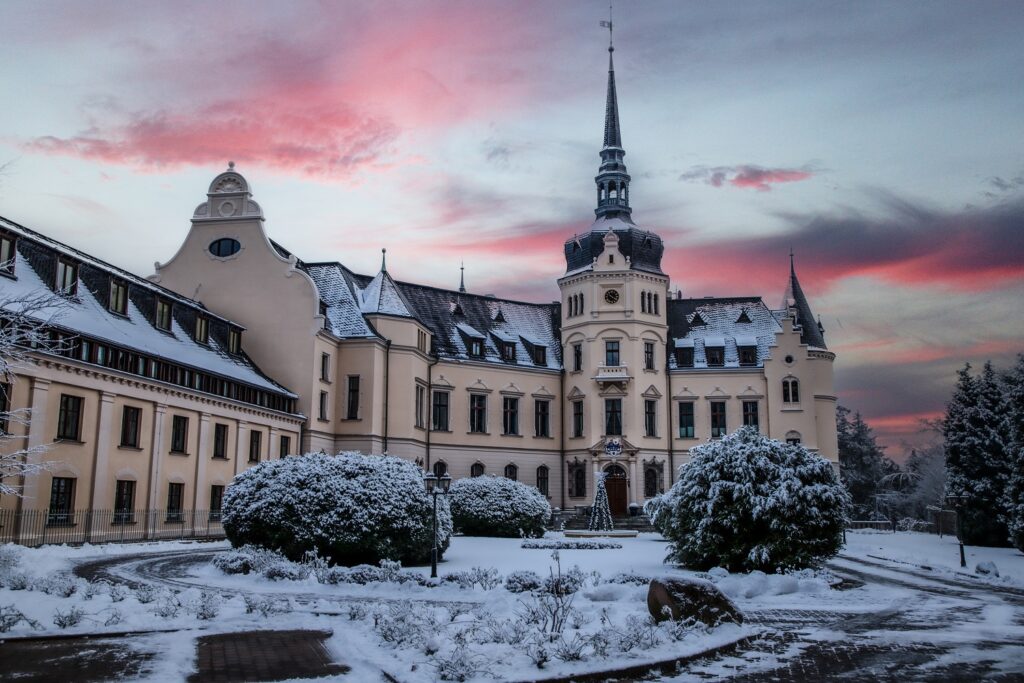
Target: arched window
793,438
577,480
650,482
643,302
511,472
790,390
477,470
655,304
542,479
440,468
580,309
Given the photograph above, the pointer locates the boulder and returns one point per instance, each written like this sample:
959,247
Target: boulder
986,569
687,598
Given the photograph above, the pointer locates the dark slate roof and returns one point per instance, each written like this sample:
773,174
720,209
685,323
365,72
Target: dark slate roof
722,326
340,289
612,136
87,313
810,333
643,247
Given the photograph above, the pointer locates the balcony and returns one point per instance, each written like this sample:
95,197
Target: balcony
612,373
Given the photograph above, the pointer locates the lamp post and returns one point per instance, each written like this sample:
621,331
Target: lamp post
435,486
958,504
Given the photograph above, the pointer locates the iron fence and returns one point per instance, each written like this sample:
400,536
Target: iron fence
42,527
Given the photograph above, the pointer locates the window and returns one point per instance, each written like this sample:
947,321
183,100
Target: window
643,302
255,445
793,438
650,482
440,468
648,355
477,470
7,254
542,479
216,501
790,390
124,502
684,357
62,501
715,356
511,472
686,430
285,448
748,355
352,412
540,355
577,357
650,417
611,354
476,347
421,400
220,441
119,297
5,408
542,418
130,419
656,309
717,419
439,411
224,247
421,340
322,415
577,418
179,433
478,413
163,315
67,277
234,341
750,414
325,367
613,416
510,415
577,480
175,494
202,330
508,351
69,420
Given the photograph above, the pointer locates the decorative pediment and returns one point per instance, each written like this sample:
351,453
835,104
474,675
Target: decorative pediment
717,394
685,394
575,394
442,383
613,447
612,390
542,393
651,392
749,392
479,387
511,389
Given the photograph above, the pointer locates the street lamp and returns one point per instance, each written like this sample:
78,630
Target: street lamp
958,503
435,486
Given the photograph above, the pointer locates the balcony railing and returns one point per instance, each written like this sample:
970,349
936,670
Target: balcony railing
42,527
612,373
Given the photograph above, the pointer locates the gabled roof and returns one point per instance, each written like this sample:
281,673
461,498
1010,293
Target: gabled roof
382,296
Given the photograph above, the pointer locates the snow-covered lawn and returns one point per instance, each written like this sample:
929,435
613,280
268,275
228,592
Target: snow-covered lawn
941,554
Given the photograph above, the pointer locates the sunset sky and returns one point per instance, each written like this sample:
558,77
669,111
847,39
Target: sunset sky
883,142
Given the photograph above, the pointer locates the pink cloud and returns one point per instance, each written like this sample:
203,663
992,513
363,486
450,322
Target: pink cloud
745,176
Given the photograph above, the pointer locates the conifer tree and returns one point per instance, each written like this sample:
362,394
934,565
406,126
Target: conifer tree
976,463
1014,428
600,514
861,461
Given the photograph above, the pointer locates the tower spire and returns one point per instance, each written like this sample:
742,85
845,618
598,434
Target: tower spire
462,277
612,179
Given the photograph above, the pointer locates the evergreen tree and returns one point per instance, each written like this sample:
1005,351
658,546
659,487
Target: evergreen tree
976,463
1014,429
600,514
861,461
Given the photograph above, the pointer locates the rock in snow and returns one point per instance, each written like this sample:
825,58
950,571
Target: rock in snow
688,598
986,569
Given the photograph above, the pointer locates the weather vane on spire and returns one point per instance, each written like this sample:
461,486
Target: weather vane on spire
608,25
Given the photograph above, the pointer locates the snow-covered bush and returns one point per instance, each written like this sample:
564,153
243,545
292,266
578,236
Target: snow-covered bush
146,593
246,559
571,545
68,619
497,506
749,502
630,578
286,571
522,581
10,616
350,508
659,511
207,606
60,585
911,524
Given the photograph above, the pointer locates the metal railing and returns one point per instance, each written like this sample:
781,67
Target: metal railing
880,525
42,527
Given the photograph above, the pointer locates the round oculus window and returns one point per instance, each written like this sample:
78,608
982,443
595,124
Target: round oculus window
224,247
789,360
611,296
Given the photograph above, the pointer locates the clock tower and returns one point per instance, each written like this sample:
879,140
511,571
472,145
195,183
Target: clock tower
614,338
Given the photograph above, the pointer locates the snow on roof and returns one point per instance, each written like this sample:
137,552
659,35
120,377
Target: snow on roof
746,341
468,331
714,341
686,343
382,296
338,290
722,327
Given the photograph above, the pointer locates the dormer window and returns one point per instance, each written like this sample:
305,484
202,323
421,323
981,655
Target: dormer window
540,355
202,335
684,357
119,297
67,277
476,348
163,315
748,355
234,341
508,351
7,245
715,356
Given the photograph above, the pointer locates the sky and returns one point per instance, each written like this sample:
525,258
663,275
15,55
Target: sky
881,141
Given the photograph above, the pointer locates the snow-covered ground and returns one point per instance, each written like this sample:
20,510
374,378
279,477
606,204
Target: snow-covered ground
939,554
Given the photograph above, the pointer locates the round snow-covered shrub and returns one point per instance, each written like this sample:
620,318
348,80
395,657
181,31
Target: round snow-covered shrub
349,508
748,502
496,506
522,581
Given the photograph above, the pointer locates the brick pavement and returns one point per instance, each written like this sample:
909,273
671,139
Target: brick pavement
82,660
263,656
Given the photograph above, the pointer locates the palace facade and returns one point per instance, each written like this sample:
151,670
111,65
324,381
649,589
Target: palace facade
166,382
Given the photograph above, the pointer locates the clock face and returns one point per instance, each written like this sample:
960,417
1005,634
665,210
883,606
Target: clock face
611,296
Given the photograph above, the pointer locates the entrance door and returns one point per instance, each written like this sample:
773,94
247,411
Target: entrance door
615,484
